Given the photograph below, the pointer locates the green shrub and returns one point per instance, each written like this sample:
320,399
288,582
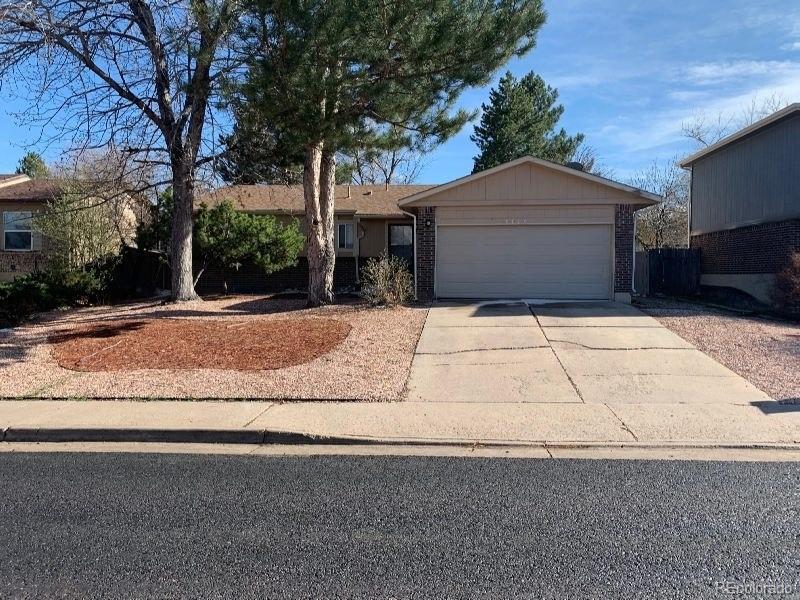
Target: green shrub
386,280
48,290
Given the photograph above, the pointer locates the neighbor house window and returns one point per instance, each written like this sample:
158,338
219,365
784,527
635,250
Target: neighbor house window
17,231
345,236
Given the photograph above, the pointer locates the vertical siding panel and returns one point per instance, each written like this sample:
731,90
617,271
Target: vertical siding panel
753,180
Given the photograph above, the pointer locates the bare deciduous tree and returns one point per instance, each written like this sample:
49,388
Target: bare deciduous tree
80,230
396,166
587,157
705,130
141,75
95,178
665,224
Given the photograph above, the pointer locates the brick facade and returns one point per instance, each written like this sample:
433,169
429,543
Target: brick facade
623,248
19,263
426,252
249,279
763,248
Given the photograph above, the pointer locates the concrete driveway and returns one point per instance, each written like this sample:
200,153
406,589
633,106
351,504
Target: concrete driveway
596,352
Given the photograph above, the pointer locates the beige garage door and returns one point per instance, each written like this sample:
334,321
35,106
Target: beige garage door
524,261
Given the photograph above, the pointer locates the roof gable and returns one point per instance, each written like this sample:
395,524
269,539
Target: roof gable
531,180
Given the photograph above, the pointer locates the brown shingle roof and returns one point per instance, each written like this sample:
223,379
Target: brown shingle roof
31,190
364,200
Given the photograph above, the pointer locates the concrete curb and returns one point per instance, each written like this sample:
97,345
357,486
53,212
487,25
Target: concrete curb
267,437
177,436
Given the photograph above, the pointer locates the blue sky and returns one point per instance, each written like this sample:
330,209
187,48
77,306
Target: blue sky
630,73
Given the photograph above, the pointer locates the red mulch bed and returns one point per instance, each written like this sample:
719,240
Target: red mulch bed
252,345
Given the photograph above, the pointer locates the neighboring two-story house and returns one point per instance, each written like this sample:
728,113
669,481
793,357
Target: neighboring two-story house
744,212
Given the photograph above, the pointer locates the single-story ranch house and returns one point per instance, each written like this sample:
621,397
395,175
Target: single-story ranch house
744,212
525,229
21,247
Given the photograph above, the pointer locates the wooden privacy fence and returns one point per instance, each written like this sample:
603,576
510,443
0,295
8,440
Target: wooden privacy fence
668,271
641,278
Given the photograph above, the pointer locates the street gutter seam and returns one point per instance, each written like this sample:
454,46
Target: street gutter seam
267,437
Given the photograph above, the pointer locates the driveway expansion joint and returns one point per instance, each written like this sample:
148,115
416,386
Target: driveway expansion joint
628,348
479,364
624,425
555,354
481,350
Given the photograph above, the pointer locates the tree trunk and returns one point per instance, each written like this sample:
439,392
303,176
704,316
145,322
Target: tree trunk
318,187
181,237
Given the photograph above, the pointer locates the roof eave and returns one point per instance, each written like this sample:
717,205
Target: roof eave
766,121
14,180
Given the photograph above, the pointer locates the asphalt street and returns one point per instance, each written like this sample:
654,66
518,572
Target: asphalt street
161,525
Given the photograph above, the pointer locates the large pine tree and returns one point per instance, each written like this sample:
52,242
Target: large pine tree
337,75
521,120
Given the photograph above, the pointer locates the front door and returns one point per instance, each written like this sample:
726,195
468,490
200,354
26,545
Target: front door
401,243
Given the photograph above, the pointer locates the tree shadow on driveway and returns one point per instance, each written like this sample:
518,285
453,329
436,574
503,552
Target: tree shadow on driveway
782,406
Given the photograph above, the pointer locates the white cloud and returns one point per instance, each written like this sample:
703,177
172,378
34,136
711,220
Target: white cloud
663,129
714,73
792,46
688,95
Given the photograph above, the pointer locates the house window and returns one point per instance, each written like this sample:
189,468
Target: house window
17,231
345,236
401,242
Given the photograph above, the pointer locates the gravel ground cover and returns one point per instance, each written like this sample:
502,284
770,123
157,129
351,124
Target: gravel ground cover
764,351
370,361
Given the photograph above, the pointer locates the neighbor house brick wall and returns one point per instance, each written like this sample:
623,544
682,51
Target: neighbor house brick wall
762,248
426,252
623,248
19,263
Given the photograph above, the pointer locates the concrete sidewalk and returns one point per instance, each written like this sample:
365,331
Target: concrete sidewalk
556,424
